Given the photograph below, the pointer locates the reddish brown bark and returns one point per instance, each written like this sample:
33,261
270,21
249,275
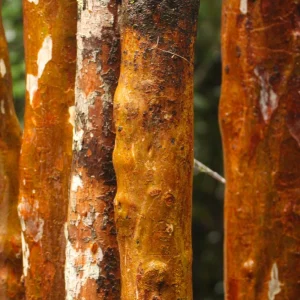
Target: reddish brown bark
260,120
10,143
92,257
50,51
153,157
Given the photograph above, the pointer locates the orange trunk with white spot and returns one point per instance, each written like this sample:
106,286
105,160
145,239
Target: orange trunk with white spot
50,53
260,120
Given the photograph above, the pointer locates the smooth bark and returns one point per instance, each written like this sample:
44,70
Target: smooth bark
153,156
260,120
50,52
92,257
11,286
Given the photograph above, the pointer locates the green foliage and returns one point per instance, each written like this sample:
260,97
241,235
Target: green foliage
13,24
208,193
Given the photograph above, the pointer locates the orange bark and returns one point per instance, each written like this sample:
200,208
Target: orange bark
50,52
10,143
153,156
92,257
260,119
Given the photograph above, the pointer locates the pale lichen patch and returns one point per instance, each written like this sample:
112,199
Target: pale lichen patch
31,86
80,266
2,68
72,115
274,283
268,100
26,254
34,224
34,1
244,6
76,183
77,139
44,56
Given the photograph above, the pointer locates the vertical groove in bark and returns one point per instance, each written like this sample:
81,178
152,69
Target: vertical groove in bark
92,257
153,156
10,143
50,52
260,119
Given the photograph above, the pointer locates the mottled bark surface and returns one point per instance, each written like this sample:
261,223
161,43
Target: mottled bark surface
260,119
10,143
92,257
50,51
153,157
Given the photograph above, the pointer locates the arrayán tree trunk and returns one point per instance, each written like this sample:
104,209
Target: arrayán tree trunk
92,257
10,143
50,51
153,156
260,119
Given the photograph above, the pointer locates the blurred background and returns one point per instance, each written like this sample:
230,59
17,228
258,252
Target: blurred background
208,193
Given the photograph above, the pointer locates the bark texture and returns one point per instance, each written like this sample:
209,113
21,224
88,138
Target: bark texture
10,143
260,120
153,156
92,257
50,53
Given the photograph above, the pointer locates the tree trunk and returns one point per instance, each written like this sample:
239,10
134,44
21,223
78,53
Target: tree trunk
260,119
92,257
153,157
10,143
50,51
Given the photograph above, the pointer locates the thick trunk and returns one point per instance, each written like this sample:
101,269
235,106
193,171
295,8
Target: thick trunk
92,257
260,119
50,51
153,157
10,142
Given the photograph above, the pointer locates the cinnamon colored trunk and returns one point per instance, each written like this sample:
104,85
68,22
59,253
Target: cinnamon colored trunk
153,156
10,143
92,257
260,120
50,52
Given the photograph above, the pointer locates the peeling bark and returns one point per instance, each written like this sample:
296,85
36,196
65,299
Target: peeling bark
11,286
50,53
92,257
153,157
260,120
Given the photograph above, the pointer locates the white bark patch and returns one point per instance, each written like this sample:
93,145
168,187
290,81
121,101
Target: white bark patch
77,139
268,100
72,115
76,183
44,56
79,267
2,68
2,107
26,254
34,224
244,6
34,1
274,283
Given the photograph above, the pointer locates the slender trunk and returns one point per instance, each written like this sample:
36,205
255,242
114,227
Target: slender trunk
92,257
260,115
153,157
10,143
50,51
